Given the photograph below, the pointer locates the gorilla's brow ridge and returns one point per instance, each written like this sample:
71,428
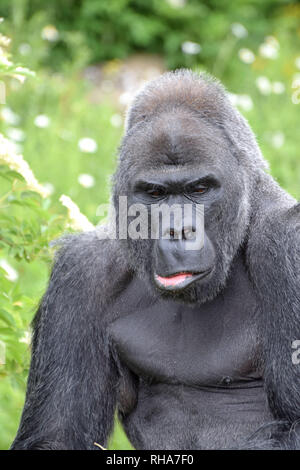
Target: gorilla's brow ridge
184,180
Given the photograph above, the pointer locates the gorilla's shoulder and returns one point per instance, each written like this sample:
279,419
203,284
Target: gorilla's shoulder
88,258
282,221
294,215
274,243
293,234
84,247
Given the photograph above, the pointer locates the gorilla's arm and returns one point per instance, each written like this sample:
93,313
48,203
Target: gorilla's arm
73,378
274,254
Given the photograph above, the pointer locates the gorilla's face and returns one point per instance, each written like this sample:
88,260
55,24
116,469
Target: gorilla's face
180,159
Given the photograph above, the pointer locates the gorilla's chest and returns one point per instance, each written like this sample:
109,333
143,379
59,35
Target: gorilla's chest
202,345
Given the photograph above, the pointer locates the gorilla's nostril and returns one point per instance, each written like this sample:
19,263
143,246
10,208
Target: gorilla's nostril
188,233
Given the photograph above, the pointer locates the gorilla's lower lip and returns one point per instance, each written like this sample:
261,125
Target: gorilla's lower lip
179,280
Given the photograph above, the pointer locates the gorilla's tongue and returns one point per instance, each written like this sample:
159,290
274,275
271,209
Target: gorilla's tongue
173,280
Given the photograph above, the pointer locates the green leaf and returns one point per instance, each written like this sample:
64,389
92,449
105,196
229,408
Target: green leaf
7,318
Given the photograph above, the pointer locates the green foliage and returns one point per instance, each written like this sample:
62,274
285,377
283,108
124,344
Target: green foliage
27,225
112,29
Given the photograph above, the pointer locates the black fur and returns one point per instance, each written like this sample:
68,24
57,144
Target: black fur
106,338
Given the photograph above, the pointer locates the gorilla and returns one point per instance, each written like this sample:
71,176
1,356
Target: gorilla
194,349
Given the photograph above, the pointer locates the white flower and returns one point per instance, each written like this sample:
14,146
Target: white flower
278,88
296,81
26,338
270,48
4,40
233,98
126,98
176,3
20,78
78,221
11,273
10,117
272,40
49,188
239,30
16,147
42,121
4,60
87,145
23,70
297,62
87,181
245,102
190,48
15,134
116,120
25,48
246,56
296,87
50,33
264,85
268,51
21,74
15,162
277,139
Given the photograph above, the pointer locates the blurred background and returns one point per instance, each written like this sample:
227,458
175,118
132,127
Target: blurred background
89,57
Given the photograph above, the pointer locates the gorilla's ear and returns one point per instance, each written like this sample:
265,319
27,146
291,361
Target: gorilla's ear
204,95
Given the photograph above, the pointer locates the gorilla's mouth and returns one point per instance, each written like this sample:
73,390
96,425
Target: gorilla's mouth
179,280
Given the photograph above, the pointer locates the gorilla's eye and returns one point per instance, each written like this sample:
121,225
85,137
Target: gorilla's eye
149,191
157,192
200,190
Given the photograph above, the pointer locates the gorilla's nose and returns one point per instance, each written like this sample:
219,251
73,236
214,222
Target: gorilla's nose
178,251
189,233
186,233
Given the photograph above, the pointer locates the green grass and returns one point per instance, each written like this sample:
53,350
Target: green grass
53,152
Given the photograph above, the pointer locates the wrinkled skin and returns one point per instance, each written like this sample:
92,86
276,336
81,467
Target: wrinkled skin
176,149
193,348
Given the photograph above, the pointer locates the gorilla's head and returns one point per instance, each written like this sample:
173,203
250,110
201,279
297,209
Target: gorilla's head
185,144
